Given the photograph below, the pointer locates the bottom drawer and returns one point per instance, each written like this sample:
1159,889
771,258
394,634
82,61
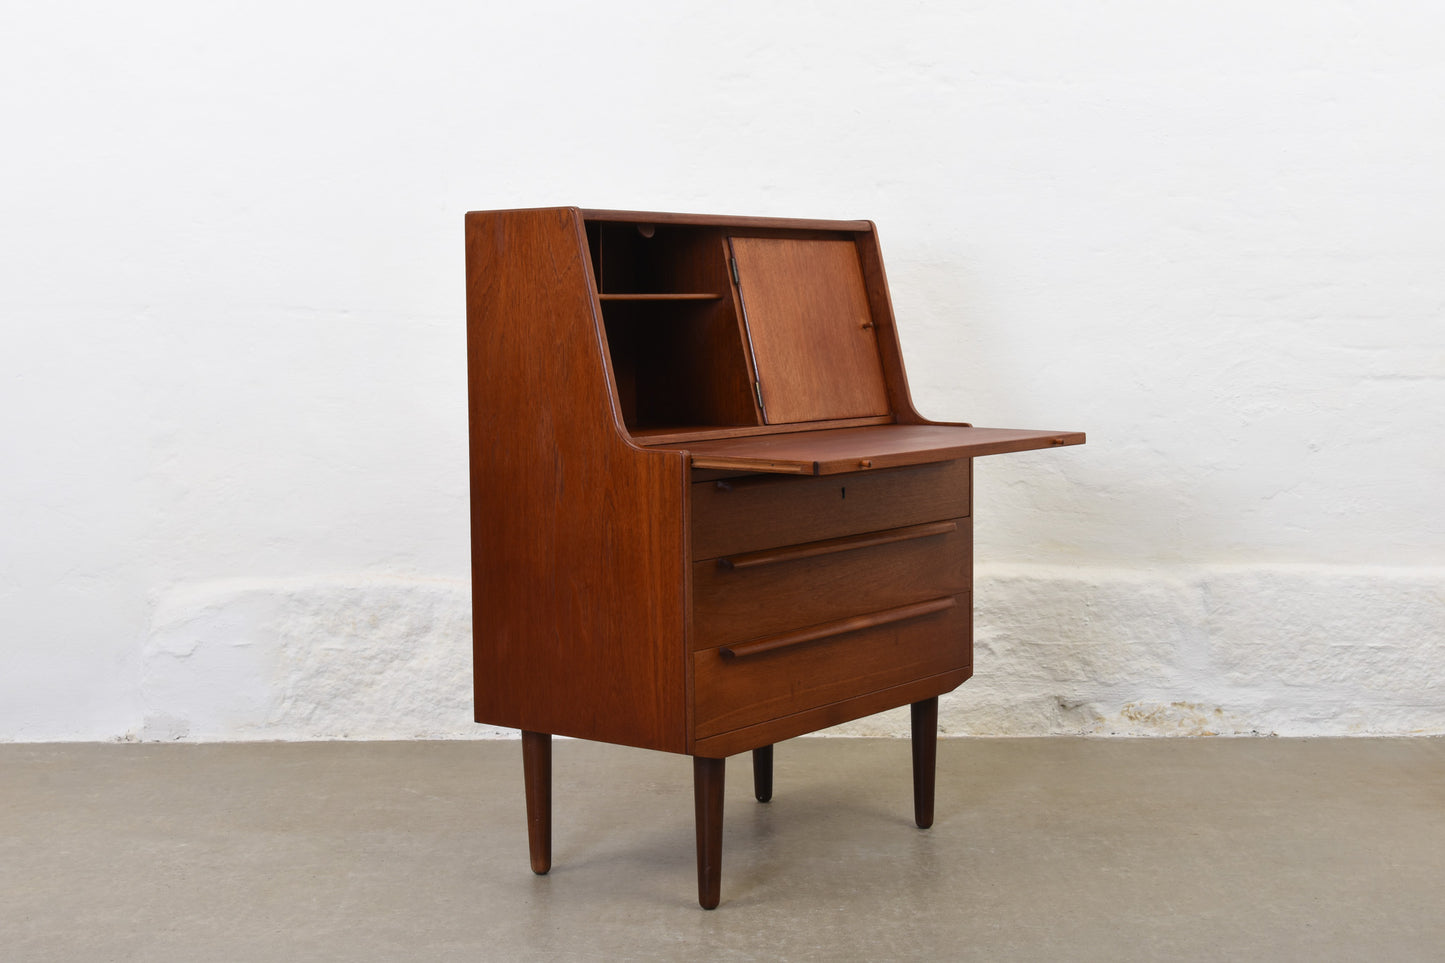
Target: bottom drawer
744,684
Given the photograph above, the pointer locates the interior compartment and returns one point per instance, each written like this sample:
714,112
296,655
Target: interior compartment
672,326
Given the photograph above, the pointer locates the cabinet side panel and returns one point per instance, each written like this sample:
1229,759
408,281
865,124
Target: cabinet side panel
577,536
890,353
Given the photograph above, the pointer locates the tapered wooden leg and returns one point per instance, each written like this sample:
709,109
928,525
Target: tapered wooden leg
925,759
537,775
707,793
763,773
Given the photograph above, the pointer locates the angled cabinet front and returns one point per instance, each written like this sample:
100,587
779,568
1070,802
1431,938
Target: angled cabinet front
818,600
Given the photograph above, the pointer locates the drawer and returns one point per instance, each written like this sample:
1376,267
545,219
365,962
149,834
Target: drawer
748,595
753,512
747,683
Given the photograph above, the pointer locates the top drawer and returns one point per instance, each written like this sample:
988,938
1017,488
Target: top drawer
753,512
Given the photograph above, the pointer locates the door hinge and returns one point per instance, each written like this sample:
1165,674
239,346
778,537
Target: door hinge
733,263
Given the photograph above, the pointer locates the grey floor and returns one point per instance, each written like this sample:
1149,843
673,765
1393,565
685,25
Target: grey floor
1258,849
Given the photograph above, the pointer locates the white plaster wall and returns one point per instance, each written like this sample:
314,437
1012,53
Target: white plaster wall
232,384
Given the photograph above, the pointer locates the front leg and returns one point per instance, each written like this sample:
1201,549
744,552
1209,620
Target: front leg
707,793
537,777
925,759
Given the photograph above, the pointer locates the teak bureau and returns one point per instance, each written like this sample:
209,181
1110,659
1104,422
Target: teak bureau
705,514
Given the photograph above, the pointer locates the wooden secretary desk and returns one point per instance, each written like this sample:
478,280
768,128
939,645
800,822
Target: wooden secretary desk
705,514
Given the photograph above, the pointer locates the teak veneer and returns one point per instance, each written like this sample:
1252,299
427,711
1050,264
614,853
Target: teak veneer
705,514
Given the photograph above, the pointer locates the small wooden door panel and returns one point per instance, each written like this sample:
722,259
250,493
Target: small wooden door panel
812,334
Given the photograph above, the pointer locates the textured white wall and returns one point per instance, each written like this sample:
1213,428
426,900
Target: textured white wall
232,390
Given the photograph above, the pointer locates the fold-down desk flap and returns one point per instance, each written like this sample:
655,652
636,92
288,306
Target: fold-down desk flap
836,450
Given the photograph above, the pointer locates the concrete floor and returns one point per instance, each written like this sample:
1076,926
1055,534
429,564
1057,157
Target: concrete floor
1261,849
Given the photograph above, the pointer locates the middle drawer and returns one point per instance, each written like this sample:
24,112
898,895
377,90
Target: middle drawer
756,594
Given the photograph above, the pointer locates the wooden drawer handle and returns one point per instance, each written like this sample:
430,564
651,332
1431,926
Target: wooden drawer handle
827,629
791,553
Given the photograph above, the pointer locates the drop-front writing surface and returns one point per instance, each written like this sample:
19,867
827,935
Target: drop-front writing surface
705,516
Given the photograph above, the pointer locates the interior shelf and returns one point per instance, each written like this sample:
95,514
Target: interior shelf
659,297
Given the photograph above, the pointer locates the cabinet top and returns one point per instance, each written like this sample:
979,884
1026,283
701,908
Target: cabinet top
710,220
